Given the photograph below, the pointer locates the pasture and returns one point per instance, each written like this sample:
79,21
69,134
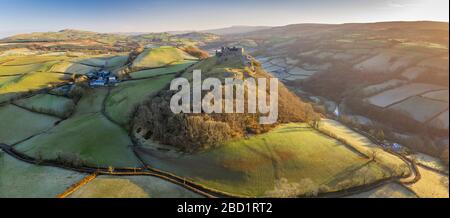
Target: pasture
73,68
91,102
393,96
19,70
48,104
103,61
33,81
364,145
160,57
377,88
391,190
441,121
88,139
438,95
33,59
17,124
22,180
123,99
131,187
420,109
5,80
431,185
173,68
292,158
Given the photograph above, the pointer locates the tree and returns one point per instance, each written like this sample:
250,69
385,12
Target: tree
373,155
444,156
380,135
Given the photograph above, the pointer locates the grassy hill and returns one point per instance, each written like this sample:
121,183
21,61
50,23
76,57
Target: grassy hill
192,132
291,160
65,35
160,57
351,65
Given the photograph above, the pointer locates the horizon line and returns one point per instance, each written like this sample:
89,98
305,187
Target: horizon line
205,30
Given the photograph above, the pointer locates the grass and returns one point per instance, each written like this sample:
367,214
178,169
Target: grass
104,61
431,184
22,180
48,104
124,98
293,155
131,187
91,102
117,61
363,145
392,190
17,70
438,95
7,79
34,59
159,57
85,140
420,109
392,96
33,81
17,124
73,68
429,161
174,68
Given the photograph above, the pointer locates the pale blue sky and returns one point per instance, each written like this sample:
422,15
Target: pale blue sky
167,15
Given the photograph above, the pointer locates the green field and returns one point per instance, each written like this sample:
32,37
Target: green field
159,57
5,80
33,81
124,98
88,139
363,145
22,180
73,68
291,160
174,68
17,70
91,102
17,124
116,61
131,187
48,104
431,184
33,59
391,190
104,61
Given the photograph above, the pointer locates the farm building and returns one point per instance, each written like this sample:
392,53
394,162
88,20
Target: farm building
98,82
102,78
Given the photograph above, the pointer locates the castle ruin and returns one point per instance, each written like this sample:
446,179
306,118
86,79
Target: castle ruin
229,52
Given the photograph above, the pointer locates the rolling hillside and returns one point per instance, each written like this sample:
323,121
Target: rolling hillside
393,74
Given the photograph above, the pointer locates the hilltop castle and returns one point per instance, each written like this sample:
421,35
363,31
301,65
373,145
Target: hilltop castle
229,52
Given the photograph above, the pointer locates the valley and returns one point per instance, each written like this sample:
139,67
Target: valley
86,115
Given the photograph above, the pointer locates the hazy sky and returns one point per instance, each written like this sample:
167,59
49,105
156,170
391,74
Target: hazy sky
167,15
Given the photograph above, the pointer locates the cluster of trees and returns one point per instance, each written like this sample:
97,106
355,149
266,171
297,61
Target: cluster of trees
195,51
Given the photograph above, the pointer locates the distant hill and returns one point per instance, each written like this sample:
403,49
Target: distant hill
392,73
236,30
199,36
79,40
66,35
